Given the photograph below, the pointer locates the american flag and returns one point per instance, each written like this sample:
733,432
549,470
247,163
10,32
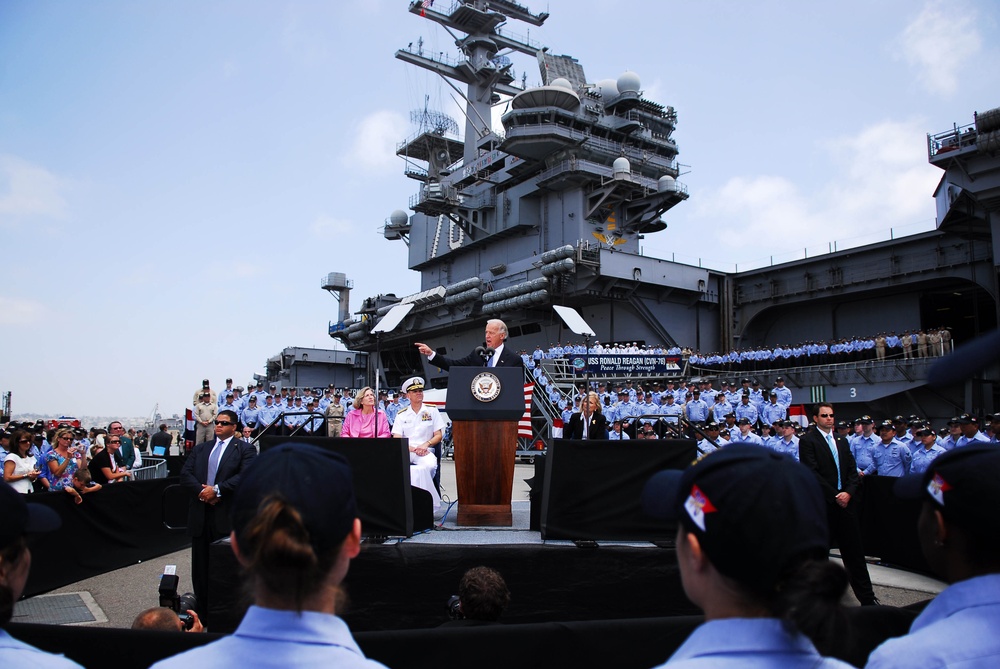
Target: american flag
524,425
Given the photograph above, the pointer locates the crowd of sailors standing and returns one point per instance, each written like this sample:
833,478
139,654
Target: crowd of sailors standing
882,346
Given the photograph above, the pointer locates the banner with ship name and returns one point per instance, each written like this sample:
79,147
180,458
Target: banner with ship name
628,364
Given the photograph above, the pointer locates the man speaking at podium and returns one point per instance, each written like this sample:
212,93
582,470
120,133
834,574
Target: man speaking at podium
494,355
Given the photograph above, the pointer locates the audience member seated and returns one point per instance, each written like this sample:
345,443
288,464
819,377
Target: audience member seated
482,598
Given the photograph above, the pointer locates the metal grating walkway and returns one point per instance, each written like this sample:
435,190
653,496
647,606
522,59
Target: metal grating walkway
65,609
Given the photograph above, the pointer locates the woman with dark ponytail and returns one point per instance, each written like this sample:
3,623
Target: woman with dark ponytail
752,553
295,531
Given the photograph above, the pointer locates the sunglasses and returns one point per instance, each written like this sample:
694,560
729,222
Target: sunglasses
115,441
224,422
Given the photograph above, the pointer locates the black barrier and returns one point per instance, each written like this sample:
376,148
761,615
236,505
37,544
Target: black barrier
624,644
889,524
381,479
117,526
592,489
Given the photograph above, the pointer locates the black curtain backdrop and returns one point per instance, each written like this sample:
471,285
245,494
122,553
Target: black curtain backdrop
593,489
117,526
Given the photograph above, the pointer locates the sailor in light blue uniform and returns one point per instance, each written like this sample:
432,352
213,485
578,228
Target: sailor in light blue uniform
926,452
957,529
747,502
721,409
616,433
744,436
970,431
784,394
696,410
773,411
785,441
746,410
670,409
862,446
267,413
891,457
251,415
713,442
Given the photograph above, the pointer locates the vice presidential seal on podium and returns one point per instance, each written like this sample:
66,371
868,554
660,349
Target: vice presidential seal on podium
484,405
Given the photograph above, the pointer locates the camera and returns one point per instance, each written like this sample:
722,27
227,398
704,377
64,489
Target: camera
179,603
454,607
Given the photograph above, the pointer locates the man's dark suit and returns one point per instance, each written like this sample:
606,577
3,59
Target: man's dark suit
508,358
597,429
815,453
206,522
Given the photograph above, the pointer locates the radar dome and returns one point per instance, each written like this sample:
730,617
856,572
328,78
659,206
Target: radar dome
628,82
398,217
608,88
562,82
621,166
666,183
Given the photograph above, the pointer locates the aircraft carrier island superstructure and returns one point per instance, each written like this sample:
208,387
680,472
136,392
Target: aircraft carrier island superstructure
551,211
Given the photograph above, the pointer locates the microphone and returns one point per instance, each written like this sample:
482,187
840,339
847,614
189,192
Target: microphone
488,353
481,352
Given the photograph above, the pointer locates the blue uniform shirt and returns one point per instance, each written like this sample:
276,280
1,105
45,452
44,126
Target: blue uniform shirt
696,410
748,643
957,629
923,457
269,638
892,459
861,449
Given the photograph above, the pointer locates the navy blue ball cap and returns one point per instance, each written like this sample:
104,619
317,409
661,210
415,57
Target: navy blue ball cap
756,512
318,483
19,518
963,484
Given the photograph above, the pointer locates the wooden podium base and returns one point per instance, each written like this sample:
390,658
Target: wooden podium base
484,471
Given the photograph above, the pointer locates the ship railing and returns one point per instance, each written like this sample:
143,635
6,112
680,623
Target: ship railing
152,468
951,140
274,428
575,165
517,37
909,368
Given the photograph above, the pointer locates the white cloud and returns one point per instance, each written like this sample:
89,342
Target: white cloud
375,140
327,227
879,178
939,42
18,312
29,190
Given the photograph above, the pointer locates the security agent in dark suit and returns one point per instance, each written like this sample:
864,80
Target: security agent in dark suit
589,423
839,488
210,475
495,354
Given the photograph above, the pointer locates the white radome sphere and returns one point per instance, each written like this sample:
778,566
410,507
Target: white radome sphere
398,217
608,88
561,82
666,183
628,82
621,166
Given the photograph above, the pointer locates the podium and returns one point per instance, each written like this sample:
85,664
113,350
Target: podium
484,404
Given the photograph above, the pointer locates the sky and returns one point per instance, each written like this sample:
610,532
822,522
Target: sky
176,177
